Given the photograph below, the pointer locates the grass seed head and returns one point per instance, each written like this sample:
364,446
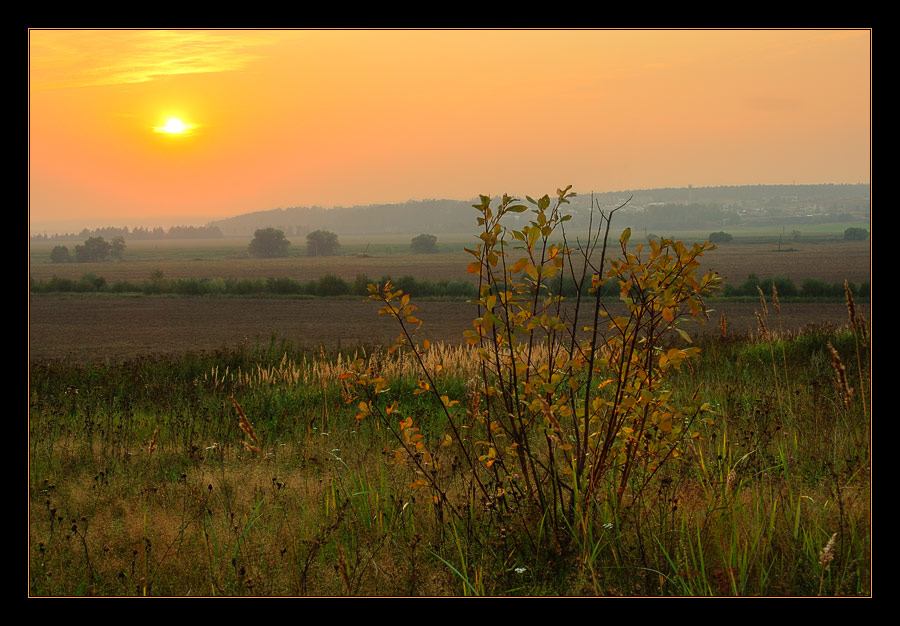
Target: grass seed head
826,556
763,331
857,322
254,445
841,373
851,305
151,446
762,301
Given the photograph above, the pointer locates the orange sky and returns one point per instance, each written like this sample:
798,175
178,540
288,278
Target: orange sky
290,118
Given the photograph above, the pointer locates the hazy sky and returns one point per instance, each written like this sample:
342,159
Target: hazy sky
286,118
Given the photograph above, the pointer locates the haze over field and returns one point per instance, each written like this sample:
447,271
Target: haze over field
152,127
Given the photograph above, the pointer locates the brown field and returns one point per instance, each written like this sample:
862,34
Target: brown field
98,327
88,328
831,262
432,266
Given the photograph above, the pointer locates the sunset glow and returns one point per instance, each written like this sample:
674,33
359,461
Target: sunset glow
246,120
173,126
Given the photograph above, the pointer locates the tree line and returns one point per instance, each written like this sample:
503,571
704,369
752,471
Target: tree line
326,286
139,232
272,243
94,250
331,285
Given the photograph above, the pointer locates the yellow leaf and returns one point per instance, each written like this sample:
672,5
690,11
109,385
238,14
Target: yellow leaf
519,265
448,402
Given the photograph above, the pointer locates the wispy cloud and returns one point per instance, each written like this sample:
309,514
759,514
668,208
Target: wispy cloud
82,58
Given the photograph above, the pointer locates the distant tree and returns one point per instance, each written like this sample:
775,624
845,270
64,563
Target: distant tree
720,237
95,249
60,254
117,248
855,234
424,244
156,283
322,243
269,243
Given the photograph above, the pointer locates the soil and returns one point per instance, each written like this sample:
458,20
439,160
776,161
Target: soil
97,328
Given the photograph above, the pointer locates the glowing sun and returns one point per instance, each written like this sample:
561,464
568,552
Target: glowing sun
174,126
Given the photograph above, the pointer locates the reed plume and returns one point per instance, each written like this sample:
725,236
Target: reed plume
857,322
763,331
826,556
254,445
762,301
841,372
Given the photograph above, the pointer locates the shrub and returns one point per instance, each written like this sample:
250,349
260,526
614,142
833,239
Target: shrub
783,284
360,284
331,285
855,234
244,286
815,288
283,286
424,244
555,425
720,237
156,283
124,286
188,287
61,284
91,282
213,285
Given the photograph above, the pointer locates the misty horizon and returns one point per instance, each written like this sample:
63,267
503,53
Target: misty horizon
719,195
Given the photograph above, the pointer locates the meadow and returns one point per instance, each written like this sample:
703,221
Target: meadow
252,458
202,259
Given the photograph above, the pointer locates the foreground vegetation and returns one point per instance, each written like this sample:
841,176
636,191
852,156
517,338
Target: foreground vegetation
534,460
329,286
141,484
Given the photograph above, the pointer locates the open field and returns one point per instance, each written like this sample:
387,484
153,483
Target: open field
229,446
121,327
85,327
831,262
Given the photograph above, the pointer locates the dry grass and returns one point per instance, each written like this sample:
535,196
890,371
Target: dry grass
735,262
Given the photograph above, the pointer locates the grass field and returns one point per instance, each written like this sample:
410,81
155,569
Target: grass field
141,484
735,261
238,446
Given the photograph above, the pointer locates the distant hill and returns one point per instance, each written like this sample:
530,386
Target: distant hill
433,216
686,207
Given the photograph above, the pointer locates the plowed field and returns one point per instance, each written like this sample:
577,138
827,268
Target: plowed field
88,328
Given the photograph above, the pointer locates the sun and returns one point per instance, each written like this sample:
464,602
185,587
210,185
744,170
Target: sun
174,126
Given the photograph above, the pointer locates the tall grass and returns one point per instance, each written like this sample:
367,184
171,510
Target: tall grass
140,483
